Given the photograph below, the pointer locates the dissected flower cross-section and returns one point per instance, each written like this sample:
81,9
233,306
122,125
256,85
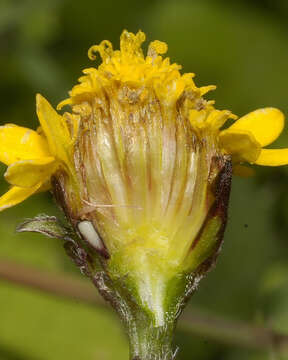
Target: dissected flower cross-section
141,164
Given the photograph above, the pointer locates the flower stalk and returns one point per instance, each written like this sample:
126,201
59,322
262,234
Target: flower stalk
150,343
146,340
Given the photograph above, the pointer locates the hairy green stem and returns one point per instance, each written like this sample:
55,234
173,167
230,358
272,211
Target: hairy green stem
148,342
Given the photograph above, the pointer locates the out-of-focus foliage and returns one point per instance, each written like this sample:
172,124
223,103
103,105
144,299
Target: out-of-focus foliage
240,46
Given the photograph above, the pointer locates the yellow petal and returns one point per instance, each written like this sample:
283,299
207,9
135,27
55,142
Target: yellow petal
205,89
265,124
28,173
240,144
16,195
55,129
217,118
64,103
45,187
273,157
19,143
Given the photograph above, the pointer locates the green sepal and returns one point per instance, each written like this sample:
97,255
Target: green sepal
46,225
50,226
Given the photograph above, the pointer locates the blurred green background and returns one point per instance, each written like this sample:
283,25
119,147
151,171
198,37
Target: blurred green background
241,46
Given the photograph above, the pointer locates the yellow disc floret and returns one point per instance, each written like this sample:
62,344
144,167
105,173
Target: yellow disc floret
129,66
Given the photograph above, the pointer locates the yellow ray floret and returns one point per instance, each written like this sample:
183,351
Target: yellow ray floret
16,195
265,124
29,173
273,157
30,164
56,130
246,137
19,143
33,157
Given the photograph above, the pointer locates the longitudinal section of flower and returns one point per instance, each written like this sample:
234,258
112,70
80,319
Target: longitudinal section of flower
144,176
140,164
145,182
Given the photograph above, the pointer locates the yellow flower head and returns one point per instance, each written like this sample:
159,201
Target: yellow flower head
142,158
33,157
